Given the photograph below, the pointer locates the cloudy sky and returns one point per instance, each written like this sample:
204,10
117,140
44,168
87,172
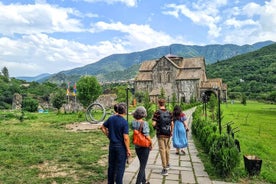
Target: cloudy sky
48,36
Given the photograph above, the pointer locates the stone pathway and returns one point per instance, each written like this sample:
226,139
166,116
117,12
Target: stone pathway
184,168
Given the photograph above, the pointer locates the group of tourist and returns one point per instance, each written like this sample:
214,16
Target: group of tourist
165,123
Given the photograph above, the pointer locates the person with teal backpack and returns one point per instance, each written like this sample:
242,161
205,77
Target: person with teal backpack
180,140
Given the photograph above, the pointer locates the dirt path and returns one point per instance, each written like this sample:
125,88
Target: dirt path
83,126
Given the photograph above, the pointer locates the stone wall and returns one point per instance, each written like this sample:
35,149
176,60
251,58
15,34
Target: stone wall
107,100
17,101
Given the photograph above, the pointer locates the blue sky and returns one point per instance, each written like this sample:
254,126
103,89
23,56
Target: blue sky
49,36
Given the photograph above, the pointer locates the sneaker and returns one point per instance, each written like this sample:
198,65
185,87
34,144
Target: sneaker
164,172
168,167
184,153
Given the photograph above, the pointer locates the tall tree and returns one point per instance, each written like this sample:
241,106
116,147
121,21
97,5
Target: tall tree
89,90
5,73
58,99
212,105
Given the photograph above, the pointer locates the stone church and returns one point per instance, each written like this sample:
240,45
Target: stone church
183,77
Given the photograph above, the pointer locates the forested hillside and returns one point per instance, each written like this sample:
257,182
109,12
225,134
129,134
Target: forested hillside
253,74
117,65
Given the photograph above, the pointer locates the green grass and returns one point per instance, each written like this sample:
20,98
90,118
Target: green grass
256,123
41,150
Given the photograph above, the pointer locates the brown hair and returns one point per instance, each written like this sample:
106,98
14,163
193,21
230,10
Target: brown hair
177,112
121,108
161,102
116,108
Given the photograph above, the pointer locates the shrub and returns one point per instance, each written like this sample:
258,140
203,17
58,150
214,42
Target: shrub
222,150
224,155
30,104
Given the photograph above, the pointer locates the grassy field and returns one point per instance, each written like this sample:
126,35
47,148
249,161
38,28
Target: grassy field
256,123
41,150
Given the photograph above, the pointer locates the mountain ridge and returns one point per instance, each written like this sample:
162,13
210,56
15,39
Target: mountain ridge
113,67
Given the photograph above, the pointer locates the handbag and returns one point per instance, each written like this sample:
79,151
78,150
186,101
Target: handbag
139,139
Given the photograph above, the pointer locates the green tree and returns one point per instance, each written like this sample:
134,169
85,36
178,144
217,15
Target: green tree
272,96
243,99
162,93
5,73
58,99
30,104
148,105
121,93
212,105
89,90
139,96
174,100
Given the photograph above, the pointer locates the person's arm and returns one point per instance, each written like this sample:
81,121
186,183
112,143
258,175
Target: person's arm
126,140
149,138
155,119
186,126
104,130
153,124
172,125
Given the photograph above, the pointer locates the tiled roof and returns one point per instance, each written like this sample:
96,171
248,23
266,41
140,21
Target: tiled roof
144,76
147,65
211,83
154,92
190,74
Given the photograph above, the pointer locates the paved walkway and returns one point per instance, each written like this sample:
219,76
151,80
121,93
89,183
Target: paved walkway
184,168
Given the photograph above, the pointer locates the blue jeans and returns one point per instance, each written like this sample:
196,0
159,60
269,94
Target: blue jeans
143,155
116,164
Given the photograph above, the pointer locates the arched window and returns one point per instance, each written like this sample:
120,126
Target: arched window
168,77
159,78
183,99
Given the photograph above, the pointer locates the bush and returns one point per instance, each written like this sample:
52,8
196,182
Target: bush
243,99
30,105
224,155
222,150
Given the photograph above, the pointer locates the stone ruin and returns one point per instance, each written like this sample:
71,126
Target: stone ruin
17,101
107,100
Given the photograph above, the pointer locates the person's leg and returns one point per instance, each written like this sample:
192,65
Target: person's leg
121,163
143,155
177,150
162,151
111,165
167,143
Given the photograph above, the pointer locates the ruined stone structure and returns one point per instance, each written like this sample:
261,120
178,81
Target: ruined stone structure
183,77
17,101
107,100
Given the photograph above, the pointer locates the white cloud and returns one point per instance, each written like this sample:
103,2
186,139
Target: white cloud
229,21
202,14
28,48
137,37
238,23
37,18
257,23
267,17
129,3
251,9
39,53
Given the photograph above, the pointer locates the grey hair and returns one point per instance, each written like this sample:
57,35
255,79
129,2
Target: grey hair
140,112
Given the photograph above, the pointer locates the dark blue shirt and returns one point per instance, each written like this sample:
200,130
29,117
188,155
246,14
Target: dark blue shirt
117,127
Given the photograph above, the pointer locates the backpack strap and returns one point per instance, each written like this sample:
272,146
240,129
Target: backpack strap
141,126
